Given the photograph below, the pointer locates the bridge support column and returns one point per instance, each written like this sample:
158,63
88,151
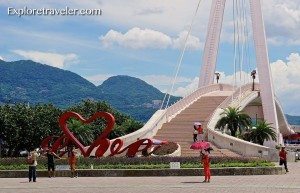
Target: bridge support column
211,47
263,67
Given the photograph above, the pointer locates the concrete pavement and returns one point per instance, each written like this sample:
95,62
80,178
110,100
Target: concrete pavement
288,183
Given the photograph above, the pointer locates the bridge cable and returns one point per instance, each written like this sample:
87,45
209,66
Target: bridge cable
181,58
235,46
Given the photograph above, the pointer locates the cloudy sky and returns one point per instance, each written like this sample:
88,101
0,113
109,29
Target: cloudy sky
144,39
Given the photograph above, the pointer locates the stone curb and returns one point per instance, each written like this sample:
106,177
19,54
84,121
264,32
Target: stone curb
150,172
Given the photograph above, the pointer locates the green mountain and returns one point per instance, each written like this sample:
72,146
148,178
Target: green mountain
26,81
132,96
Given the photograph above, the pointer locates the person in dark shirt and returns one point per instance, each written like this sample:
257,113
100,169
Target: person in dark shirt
50,162
282,156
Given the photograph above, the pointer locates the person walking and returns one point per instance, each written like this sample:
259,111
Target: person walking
50,162
32,162
205,159
282,157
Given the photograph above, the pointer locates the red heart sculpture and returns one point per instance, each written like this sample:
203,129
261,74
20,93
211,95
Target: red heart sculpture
101,138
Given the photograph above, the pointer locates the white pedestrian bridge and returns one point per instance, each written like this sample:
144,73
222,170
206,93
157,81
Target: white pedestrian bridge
205,105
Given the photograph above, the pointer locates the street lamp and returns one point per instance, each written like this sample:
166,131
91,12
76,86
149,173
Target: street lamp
217,76
253,73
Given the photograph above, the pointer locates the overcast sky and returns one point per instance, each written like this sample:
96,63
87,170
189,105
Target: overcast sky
144,38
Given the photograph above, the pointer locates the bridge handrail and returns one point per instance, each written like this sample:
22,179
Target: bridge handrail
183,103
238,94
284,118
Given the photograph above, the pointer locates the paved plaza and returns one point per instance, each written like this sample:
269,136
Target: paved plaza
287,183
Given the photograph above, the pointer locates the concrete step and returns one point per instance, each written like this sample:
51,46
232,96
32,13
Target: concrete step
180,128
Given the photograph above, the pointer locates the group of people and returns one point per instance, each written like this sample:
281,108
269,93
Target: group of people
204,154
32,162
198,132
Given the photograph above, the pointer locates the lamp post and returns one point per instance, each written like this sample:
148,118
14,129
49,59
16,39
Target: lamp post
217,76
253,73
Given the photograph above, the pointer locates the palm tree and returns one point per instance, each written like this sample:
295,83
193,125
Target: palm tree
84,133
234,119
261,132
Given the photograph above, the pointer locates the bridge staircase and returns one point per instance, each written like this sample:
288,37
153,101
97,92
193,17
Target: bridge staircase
180,128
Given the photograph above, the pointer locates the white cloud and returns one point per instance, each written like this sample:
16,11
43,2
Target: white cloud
161,81
185,90
192,43
285,76
98,79
287,82
137,38
1,58
282,21
51,59
282,18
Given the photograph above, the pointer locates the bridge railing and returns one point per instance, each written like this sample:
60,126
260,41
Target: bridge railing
238,95
233,100
183,103
148,130
289,130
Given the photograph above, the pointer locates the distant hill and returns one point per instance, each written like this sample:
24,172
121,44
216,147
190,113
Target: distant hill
31,82
132,96
293,120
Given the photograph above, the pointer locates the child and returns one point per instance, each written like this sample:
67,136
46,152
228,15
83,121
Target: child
206,164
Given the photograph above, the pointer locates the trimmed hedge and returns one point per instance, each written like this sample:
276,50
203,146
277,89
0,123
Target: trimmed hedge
137,162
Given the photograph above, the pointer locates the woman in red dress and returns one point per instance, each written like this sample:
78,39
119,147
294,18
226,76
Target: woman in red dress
206,164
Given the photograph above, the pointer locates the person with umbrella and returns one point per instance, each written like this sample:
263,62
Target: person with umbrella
204,148
205,159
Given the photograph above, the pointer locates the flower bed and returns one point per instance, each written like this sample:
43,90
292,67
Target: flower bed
166,149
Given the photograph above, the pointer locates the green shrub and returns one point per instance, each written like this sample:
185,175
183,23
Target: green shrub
137,163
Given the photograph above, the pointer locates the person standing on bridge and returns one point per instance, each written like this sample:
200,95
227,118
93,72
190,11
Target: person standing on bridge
200,131
195,133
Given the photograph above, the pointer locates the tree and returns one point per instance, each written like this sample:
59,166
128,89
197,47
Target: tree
261,132
83,132
24,127
234,119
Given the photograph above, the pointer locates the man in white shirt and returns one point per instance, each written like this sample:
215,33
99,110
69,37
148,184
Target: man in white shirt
32,158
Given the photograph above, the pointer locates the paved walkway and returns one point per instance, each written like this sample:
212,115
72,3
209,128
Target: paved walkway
287,183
